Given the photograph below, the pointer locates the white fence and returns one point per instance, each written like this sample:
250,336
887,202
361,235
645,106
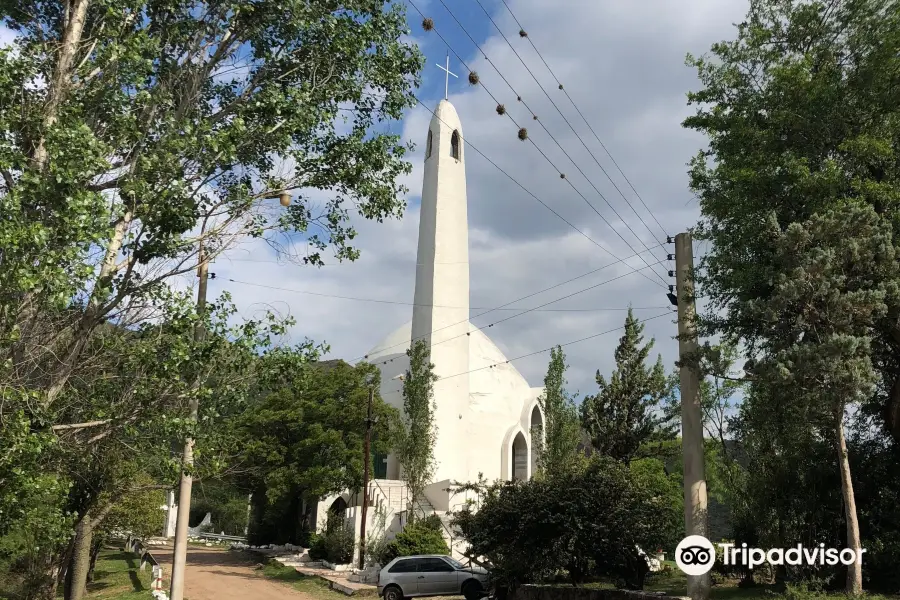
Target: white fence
136,546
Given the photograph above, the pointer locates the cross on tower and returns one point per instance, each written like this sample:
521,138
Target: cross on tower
446,77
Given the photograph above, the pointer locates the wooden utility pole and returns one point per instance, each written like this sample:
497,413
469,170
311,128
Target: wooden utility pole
179,556
695,508
365,503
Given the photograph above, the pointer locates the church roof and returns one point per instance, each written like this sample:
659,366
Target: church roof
486,360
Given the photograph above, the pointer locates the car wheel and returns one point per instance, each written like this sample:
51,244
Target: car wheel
392,592
472,590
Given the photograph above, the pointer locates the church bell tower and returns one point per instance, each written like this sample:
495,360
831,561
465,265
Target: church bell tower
441,311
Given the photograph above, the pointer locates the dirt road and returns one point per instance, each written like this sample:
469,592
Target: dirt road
216,574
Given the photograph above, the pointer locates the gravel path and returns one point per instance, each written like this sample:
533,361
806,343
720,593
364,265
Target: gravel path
216,574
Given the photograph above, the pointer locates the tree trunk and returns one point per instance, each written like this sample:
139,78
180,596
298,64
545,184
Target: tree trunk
81,559
891,412
61,570
854,571
92,315
60,81
95,552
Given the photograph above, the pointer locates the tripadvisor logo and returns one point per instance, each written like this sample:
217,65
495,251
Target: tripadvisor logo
695,555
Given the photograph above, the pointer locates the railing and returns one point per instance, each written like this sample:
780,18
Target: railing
389,495
136,546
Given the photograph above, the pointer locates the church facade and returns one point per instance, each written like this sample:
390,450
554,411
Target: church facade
487,416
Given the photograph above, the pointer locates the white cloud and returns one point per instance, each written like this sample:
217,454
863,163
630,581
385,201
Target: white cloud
623,64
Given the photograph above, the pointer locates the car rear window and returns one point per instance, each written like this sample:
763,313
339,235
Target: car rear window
404,566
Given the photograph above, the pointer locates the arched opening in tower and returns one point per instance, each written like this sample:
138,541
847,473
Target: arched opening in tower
537,437
454,145
428,143
520,458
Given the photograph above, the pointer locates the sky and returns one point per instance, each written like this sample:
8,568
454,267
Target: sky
622,63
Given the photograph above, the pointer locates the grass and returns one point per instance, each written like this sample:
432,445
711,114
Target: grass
117,577
314,586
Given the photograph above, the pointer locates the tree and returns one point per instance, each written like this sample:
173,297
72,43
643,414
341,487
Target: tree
303,441
139,133
131,399
415,452
558,452
798,199
626,413
161,127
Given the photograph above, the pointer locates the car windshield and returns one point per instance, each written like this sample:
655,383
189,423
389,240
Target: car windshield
455,563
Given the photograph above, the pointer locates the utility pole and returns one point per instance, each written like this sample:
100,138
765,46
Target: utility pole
365,502
695,508
179,556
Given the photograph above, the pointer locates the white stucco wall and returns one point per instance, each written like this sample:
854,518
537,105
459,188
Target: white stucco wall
500,401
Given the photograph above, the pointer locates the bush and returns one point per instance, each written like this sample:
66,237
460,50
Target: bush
339,544
317,549
418,537
585,523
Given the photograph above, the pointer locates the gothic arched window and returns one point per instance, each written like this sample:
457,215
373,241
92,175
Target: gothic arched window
428,145
454,145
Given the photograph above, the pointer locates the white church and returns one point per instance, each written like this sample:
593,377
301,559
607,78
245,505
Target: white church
487,415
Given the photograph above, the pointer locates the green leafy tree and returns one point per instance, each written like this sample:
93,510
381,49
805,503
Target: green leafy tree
627,412
161,127
415,451
588,522
134,394
304,441
139,133
558,452
798,195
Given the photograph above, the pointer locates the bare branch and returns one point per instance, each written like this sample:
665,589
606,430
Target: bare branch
85,425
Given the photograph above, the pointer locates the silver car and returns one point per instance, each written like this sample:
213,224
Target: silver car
430,575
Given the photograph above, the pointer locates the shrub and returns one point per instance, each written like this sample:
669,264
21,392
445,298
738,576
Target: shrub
317,549
419,537
589,522
339,544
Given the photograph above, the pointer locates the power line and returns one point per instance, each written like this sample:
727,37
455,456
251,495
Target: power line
506,362
524,64
290,262
544,204
547,158
547,131
524,312
397,302
583,118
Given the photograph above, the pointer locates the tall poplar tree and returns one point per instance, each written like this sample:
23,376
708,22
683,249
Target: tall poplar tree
558,453
626,411
415,451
